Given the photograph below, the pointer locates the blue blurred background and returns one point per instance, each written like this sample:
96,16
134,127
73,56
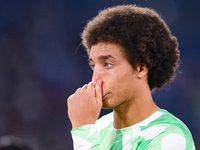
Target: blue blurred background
42,63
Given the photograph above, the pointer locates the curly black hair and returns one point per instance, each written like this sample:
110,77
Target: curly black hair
144,37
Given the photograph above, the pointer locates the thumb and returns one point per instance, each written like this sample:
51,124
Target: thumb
99,92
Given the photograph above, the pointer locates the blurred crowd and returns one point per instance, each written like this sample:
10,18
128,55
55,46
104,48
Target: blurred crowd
42,62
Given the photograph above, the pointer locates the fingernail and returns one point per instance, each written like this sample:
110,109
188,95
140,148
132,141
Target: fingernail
99,82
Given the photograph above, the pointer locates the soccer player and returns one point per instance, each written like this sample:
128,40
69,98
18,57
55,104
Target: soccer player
132,52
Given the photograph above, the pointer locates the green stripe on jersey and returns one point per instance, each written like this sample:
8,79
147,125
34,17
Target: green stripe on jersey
160,131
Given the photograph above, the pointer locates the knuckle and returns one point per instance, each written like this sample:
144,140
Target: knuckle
90,85
68,101
77,90
70,98
84,86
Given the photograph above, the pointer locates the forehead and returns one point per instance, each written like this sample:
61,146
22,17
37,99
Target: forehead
101,49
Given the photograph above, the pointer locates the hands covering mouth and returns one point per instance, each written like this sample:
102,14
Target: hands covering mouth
85,103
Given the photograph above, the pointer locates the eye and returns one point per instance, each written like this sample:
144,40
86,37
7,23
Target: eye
92,66
108,64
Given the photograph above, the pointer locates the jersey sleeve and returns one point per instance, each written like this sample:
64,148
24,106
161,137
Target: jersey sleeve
171,141
85,138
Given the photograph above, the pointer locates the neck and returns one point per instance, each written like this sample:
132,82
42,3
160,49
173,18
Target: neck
134,111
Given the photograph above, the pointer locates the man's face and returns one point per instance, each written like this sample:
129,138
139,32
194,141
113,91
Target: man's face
118,77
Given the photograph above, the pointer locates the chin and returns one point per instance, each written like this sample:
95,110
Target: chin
106,105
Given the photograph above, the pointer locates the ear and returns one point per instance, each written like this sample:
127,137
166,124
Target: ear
142,71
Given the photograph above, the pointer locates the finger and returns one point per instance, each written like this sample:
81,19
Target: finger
99,92
94,84
91,87
77,90
85,86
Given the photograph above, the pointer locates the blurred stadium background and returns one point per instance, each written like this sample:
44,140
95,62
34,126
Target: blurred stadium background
42,63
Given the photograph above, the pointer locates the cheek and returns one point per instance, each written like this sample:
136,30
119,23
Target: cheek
125,84
117,84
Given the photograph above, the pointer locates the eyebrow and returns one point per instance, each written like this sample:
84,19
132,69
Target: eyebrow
104,57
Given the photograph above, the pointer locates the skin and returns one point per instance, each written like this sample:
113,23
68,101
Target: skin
115,84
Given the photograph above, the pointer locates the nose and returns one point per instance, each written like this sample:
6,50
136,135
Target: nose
96,75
